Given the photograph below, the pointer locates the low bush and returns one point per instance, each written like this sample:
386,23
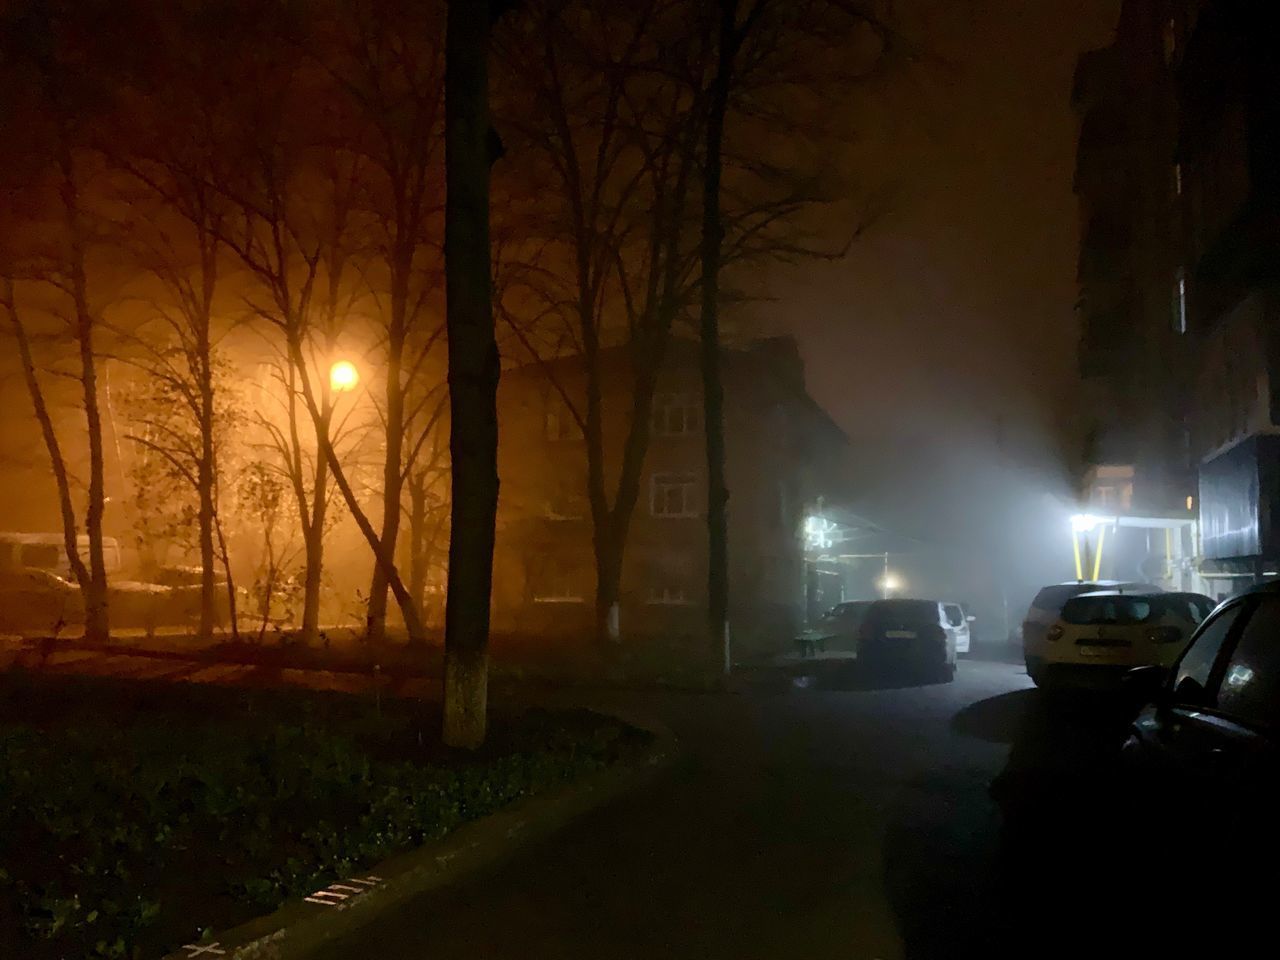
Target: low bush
135,817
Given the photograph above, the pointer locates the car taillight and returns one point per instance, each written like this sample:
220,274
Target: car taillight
1164,635
1055,632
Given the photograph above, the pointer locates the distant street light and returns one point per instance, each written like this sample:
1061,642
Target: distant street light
343,377
889,584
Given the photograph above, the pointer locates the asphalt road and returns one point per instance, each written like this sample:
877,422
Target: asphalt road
812,822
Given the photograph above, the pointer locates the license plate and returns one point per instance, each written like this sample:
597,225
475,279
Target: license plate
900,634
1099,651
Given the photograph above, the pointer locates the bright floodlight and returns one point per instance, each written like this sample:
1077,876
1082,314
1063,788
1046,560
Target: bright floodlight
343,376
1084,522
818,532
890,583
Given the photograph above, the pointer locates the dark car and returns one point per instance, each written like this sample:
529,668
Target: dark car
908,636
1210,732
37,601
1202,780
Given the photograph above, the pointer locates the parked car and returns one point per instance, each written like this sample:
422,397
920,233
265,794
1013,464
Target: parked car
909,635
1047,604
48,551
183,603
837,629
1209,733
958,620
1098,636
38,601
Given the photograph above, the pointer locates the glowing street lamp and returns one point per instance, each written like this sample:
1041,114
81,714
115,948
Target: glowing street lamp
343,377
889,584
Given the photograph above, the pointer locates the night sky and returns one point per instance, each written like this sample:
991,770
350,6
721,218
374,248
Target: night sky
956,309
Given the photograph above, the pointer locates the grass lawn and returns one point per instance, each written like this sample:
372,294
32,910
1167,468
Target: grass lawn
135,816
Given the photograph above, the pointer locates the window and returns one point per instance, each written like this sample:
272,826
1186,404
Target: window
676,414
1250,684
1109,611
673,495
43,556
1180,302
1169,40
554,579
558,422
567,502
1177,179
1192,678
669,595
670,581
955,616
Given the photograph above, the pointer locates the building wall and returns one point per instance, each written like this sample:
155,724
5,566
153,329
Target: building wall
1134,351
775,435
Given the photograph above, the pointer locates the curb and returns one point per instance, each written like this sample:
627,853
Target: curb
300,927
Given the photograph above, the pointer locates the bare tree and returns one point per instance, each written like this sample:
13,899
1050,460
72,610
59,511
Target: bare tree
387,63
473,372
50,436
616,123
56,95
759,45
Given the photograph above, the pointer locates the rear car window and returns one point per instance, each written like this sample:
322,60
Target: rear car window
903,611
1112,611
43,556
1052,598
1192,606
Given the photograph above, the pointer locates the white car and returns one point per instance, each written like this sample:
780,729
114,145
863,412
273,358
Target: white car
1098,636
958,624
1047,604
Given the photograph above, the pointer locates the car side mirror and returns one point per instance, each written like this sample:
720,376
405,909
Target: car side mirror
970,619
1147,683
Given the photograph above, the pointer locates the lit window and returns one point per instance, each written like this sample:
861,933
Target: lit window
676,414
673,495
1180,302
1177,179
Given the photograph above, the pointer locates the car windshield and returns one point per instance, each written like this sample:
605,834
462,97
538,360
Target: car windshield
1113,611
903,611
846,611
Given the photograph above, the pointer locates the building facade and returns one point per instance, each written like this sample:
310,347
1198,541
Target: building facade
1180,254
784,454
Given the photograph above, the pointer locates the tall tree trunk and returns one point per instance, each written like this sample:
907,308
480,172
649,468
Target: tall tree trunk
712,387
418,539
59,466
96,624
313,540
205,483
391,467
608,586
473,372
